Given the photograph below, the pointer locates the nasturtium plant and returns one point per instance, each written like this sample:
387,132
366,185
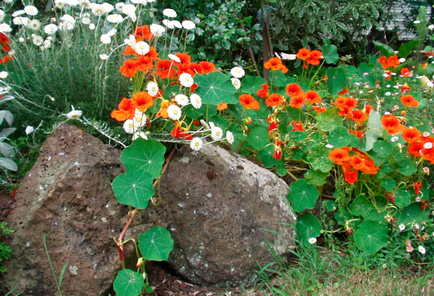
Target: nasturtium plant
134,189
156,244
128,283
307,227
371,236
302,195
215,88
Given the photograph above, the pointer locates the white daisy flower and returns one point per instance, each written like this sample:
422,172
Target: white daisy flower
139,119
21,20
37,40
152,88
141,48
119,6
61,3
176,24
5,28
426,170
188,25
394,139
216,133
236,82
115,18
68,18
34,25
312,240
105,39
29,129
196,101
85,20
31,10
169,12
131,40
416,22
2,15
103,56
50,29
196,144
174,58
47,43
427,145
288,56
401,227
237,72
129,9
97,9
107,7
3,74
422,250
138,135
230,137
425,134
174,112
85,3
18,13
157,30
74,114
182,100
168,24
186,80
129,126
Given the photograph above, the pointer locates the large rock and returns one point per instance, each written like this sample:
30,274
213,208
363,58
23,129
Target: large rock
67,195
221,210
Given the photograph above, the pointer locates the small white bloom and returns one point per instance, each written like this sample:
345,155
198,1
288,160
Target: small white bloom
418,199
431,27
74,114
5,28
230,137
61,3
141,47
103,56
186,80
168,24
237,72
426,134
34,25
21,40
3,74
129,9
401,227
97,9
119,6
47,43
112,32
182,100
402,60
67,18
105,39
139,119
290,57
115,18
92,26
131,40
139,135
2,15
216,133
329,146
85,20
416,22
85,3
188,25
394,139
107,7
152,88
196,144
37,40
21,20
18,13
169,12
427,145
31,10
426,170
422,250
174,112
176,24
129,126
196,101
236,82
29,129
174,58
157,30
312,240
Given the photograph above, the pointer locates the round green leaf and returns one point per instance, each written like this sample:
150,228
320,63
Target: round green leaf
337,80
134,189
318,158
361,206
412,214
371,236
147,155
316,178
128,283
258,137
156,244
403,198
302,195
389,184
279,78
330,119
383,149
307,226
214,87
330,53
251,84
266,157
407,167
339,137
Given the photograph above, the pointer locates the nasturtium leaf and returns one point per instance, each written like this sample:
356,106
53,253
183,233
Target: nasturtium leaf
220,121
128,283
339,137
374,129
302,195
403,198
295,113
337,80
406,48
412,214
407,167
330,205
386,50
361,206
383,149
371,236
342,216
330,53
156,244
330,119
316,178
251,84
266,156
318,158
147,155
213,87
388,183
298,136
258,137
307,227
281,169
134,189
278,78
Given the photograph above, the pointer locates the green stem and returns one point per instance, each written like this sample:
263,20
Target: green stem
44,239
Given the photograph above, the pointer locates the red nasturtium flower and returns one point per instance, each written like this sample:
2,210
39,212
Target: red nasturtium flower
142,100
303,54
339,156
406,72
143,32
185,58
394,61
405,88
358,133
417,187
249,102
384,62
410,134
275,64
358,116
165,69
263,92
206,67
274,100
391,124
129,68
343,92
314,57
294,89
297,101
312,97
298,126
350,177
319,109
368,109
126,110
409,101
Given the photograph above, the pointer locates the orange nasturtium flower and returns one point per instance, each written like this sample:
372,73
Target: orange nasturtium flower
409,101
314,57
358,116
142,100
222,106
312,97
394,61
406,72
263,92
206,67
294,89
274,100
391,124
405,88
303,54
249,102
410,134
319,109
275,64
339,156
298,126
297,101
129,68
126,110
350,176
165,69
384,62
